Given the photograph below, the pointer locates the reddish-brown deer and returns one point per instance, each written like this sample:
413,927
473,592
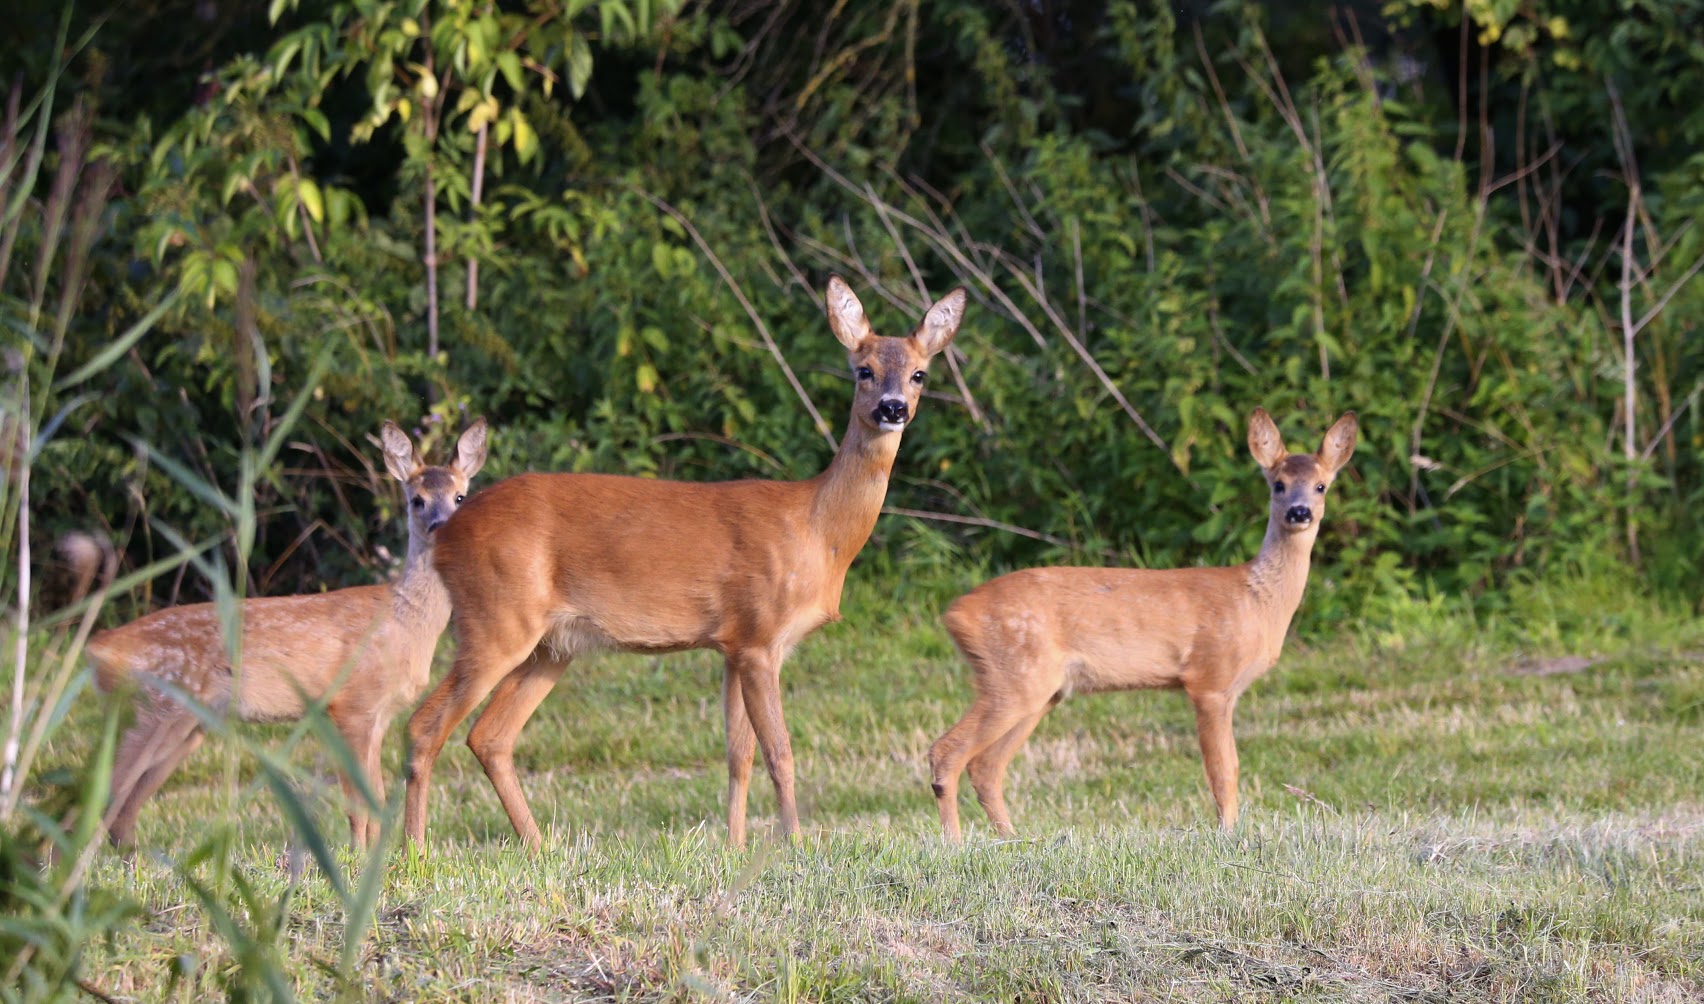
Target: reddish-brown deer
1037,636
366,651
543,567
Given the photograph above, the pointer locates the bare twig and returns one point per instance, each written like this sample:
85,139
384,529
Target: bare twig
756,320
992,524
775,240
669,437
1040,297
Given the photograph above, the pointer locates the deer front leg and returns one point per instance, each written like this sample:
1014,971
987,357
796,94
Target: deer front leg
481,663
1218,751
760,684
742,744
493,737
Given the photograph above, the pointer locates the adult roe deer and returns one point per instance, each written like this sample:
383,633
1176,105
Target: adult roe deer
1037,636
543,567
367,650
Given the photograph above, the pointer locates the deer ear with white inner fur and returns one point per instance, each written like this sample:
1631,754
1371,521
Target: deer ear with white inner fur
470,449
1264,440
1339,442
942,321
845,314
400,458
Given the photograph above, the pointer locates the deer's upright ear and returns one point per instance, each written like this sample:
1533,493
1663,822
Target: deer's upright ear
1339,443
942,321
470,449
845,314
400,458
1264,440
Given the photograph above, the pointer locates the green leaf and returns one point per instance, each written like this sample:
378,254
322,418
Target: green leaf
309,193
317,122
579,65
301,820
510,64
526,141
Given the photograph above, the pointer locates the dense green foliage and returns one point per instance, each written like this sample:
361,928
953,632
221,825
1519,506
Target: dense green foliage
1163,222
235,237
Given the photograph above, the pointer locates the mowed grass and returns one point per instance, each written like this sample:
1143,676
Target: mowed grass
1445,809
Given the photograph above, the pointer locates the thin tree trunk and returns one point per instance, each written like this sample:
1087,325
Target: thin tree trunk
15,727
473,213
431,263
1629,387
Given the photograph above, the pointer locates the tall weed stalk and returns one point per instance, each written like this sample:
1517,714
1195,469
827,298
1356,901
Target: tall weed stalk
56,195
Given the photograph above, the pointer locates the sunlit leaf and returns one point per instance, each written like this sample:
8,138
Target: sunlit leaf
312,200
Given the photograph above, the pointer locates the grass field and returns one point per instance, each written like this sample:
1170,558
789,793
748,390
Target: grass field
1448,809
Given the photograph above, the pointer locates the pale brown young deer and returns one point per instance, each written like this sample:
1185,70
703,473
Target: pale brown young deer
1038,636
543,567
365,650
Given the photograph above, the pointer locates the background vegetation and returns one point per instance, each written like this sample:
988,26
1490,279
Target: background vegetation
1165,217
236,237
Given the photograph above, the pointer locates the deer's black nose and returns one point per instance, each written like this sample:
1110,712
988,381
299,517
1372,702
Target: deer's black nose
891,411
1299,514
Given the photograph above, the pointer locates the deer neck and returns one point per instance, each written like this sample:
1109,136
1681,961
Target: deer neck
418,599
1279,573
849,494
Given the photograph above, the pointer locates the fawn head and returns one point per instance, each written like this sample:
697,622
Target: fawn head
1299,481
890,371
433,493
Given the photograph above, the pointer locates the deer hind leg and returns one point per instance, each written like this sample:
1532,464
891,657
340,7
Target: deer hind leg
760,685
1218,751
988,771
742,745
481,663
492,737
988,719
364,735
163,736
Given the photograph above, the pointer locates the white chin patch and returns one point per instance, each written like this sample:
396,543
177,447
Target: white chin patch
890,426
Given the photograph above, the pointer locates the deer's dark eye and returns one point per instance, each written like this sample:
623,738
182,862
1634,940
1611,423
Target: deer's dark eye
417,502
1320,488
917,377
460,498
865,373
1277,487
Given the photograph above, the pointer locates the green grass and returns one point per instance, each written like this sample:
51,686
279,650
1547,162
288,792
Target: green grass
1424,819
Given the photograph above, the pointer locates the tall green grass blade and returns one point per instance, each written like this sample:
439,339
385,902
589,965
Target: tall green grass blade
115,349
287,423
125,583
98,784
51,426
361,908
193,482
343,758
301,820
